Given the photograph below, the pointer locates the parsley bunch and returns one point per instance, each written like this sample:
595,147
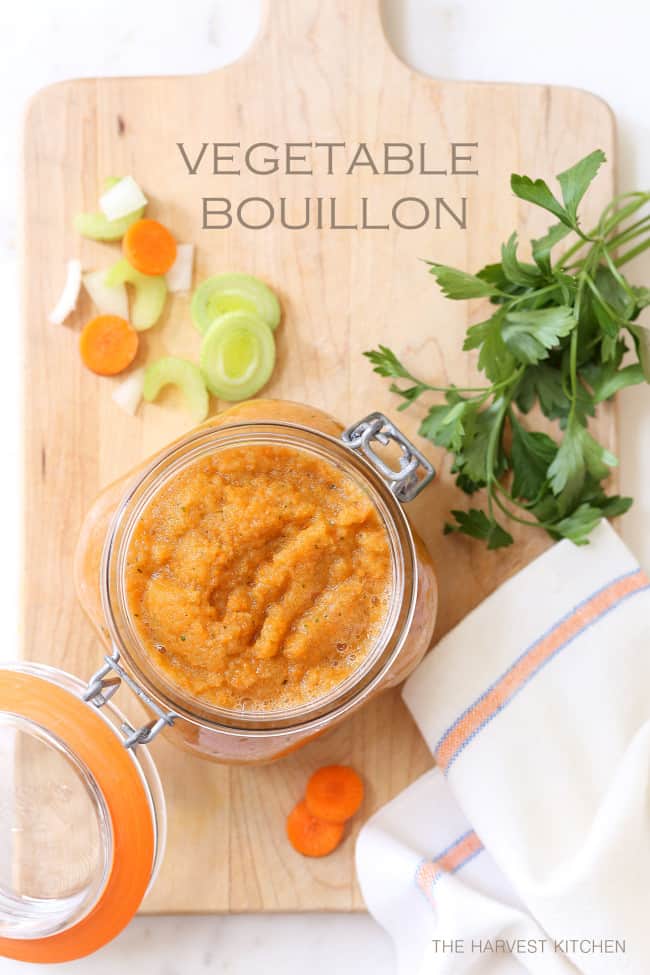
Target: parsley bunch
556,340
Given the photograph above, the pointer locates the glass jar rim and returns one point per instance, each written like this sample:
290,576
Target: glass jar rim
358,685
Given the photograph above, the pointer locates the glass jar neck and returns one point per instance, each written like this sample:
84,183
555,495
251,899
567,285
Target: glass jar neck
164,467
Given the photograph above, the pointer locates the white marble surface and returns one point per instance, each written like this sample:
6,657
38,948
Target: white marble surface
589,44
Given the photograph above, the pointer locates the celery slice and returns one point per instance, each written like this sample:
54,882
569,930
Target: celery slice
237,355
150,293
98,227
181,373
233,292
95,226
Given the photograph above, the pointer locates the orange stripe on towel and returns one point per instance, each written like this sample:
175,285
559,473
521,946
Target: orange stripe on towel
450,860
494,699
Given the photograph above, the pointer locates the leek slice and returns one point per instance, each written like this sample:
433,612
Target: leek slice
96,226
150,293
237,356
181,373
234,292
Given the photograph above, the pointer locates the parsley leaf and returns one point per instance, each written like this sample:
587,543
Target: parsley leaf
495,359
641,335
537,192
532,452
459,284
476,524
473,457
543,246
527,275
543,384
578,525
530,334
444,425
574,182
578,455
386,363
611,380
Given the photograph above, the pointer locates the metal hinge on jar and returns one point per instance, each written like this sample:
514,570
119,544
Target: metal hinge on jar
415,471
103,684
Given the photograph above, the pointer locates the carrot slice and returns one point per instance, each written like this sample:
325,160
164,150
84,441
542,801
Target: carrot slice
108,345
311,836
149,247
334,793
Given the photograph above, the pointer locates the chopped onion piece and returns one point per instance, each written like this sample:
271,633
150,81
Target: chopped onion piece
108,300
128,393
70,294
121,199
179,276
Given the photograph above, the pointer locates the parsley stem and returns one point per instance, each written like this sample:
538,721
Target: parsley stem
621,280
605,226
629,233
485,391
634,252
573,351
569,252
491,453
532,294
538,523
605,304
607,222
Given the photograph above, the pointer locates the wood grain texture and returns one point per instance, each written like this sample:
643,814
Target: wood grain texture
318,72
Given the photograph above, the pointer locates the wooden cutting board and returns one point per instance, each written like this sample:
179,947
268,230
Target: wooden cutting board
319,72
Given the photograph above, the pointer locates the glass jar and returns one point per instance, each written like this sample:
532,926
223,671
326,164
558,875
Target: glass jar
82,819
255,737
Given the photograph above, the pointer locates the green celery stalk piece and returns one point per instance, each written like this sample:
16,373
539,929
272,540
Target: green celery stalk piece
96,226
171,370
150,293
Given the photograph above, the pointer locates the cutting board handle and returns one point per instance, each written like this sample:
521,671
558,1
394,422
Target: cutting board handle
286,23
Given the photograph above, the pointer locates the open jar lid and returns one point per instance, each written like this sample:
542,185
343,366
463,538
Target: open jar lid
82,822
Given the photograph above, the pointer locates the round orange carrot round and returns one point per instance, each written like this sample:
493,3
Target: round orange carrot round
149,247
108,345
311,836
334,793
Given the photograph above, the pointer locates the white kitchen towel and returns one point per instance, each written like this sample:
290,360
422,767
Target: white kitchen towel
537,711
429,881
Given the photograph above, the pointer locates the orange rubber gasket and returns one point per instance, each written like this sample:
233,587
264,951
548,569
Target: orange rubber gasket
90,738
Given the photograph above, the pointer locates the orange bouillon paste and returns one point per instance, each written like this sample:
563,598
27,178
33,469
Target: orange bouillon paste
258,577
